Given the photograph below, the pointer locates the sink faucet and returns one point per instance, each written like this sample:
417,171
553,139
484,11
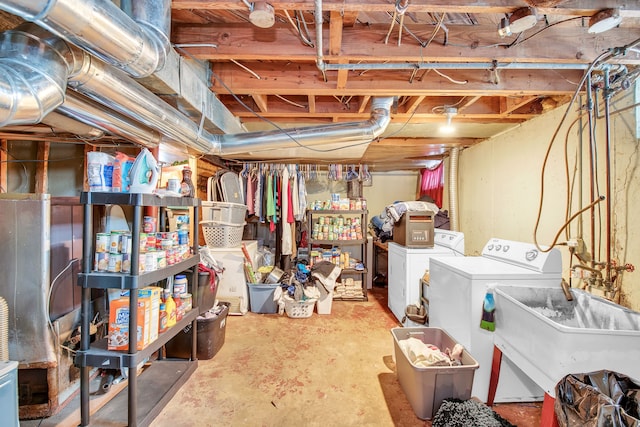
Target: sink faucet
566,288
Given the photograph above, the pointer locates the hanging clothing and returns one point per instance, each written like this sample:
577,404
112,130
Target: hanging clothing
295,199
287,246
289,197
251,193
259,195
302,197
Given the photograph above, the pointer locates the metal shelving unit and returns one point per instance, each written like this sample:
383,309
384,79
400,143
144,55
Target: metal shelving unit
164,377
341,243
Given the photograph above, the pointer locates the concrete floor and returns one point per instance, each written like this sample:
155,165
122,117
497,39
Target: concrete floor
327,370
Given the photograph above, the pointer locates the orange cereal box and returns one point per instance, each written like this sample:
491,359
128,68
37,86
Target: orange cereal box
118,338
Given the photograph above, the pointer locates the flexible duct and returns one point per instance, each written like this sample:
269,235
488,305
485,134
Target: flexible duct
137,46
346,133
4,330
453,188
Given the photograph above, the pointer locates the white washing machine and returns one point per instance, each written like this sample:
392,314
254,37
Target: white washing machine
456,293
406,266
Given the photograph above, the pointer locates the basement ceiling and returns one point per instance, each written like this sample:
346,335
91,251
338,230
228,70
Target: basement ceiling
428,55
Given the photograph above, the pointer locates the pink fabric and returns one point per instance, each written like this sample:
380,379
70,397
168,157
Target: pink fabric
432,183
290,218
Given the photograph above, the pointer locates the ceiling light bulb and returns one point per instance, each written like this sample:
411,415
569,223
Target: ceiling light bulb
523,19
449,112
604,20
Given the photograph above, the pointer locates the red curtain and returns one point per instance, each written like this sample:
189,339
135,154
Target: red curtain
432,183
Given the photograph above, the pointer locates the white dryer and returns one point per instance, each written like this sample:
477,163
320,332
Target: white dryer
406,267
456,293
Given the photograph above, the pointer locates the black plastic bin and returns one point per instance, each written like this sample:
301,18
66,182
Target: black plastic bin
210,337
600,398
206,296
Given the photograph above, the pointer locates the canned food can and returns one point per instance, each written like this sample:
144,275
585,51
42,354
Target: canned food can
115,263
151,242
101,261
143,243
162,259
126,263
173,184
183,237
115,242
149,224
166,244
173,236
102,242
142,261
187,301
126,243
150,261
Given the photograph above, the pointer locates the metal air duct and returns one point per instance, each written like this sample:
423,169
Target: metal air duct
116,90
33,75
139,45
347,133
92,114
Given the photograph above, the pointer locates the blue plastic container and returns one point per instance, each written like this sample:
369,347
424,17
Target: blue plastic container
261,297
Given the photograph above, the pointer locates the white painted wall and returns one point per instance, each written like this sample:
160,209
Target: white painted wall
500,188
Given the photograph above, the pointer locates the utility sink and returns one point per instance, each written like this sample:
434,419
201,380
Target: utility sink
549,337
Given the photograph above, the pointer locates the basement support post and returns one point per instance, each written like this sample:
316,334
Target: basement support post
42,168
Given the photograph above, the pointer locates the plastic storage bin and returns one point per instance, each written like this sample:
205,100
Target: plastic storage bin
261,297
222,235
232,213
206,297
427,387
210,337
9,393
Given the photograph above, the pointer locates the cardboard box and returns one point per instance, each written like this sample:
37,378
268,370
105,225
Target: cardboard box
151,296
152,293
118,338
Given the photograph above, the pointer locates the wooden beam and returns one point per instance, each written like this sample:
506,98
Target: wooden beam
335,33
365,43
468,102
261,102
586,7
42,169
291,79
349,19
509,104
312,104
414,103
